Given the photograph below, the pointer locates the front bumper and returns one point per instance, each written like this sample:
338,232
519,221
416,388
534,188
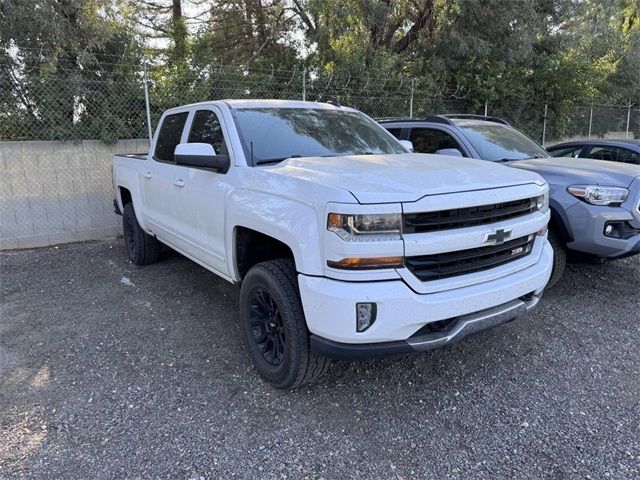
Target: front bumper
587,223
330,307
459,328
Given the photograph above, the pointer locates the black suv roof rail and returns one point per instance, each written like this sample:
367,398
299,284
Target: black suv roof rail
470,116
430,118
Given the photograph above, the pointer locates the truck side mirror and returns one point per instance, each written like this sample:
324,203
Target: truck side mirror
407,144
452,152
201,155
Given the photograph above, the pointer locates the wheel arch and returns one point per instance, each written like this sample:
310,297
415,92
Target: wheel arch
560,225
251,247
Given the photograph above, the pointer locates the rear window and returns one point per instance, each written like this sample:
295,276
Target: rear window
169,136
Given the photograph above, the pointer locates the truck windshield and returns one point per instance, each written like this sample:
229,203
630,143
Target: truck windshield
270,135
500,142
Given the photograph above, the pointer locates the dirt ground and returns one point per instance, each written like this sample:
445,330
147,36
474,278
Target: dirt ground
108,370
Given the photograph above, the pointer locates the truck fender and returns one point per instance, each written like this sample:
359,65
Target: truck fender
292,222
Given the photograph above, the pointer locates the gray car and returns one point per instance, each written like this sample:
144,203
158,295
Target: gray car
595,204
625,151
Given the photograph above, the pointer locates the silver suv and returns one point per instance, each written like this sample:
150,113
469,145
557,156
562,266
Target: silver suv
595,205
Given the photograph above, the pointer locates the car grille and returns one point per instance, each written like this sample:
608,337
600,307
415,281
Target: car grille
467,217
451,264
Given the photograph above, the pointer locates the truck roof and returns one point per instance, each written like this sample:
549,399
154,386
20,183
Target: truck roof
270,103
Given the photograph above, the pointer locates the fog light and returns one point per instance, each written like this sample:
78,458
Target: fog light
620,229
365,315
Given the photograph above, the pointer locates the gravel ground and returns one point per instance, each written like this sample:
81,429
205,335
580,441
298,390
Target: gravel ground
110,371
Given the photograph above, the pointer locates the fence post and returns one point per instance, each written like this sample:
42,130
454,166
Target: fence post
626,134
146,101
544,125
590,120
413,87
304,84
486,108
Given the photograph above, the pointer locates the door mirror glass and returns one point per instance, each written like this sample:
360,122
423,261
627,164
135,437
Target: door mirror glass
452,152
201,155
407,144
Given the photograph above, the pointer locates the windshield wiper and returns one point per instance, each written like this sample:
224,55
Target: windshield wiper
504,160
268,160
265,161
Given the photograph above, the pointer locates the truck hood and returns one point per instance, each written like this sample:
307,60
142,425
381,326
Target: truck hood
573,171
404,177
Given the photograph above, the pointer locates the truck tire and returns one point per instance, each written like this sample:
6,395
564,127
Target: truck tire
274,326
559,258
142,248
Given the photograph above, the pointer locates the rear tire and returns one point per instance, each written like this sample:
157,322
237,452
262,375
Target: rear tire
274,326
142,248
559,258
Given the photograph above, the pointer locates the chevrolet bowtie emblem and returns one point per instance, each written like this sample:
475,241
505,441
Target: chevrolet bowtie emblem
499,237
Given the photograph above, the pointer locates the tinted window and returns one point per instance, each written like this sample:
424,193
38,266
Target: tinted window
274,134
610,154
629,156
206,129
501,142
169,136
428,140
396,132
566,152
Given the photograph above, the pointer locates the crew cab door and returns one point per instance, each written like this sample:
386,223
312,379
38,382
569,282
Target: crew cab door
199,196
158,174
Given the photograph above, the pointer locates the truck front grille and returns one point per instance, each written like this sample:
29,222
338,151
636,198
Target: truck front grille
467,217
451,264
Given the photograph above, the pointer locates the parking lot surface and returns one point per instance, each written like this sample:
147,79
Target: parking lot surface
108,370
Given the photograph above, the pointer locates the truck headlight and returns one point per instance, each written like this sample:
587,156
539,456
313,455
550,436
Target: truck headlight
367,227
597,195
542,202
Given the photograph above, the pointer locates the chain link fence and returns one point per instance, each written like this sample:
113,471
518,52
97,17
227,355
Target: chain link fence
59,130
68,107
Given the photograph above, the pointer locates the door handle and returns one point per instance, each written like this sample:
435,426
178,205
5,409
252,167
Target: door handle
147,175
178,182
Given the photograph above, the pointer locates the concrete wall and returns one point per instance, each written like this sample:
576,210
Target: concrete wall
58,192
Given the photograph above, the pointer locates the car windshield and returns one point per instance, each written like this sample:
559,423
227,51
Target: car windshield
500,142
270,135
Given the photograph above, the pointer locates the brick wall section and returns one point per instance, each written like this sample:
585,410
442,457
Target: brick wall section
58,192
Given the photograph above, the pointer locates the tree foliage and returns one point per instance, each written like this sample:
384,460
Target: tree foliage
514,55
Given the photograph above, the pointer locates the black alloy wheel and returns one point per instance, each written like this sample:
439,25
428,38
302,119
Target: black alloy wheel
274,326
267,327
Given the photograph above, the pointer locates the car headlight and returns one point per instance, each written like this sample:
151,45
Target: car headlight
597,195
367,227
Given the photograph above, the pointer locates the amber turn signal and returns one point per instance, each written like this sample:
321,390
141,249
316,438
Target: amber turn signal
366,263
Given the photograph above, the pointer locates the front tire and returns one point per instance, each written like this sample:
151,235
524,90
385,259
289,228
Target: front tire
274,326
142,248
559,258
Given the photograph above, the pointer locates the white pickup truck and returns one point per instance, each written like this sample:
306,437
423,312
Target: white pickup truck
345,244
